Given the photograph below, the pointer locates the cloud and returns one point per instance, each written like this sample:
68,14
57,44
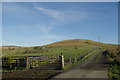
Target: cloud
50,12
53,13
64,15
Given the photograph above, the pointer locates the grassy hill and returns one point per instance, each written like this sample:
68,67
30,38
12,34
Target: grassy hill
78,42
67,47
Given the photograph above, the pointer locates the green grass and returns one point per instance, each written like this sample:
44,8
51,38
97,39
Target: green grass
76,47
67,51
49,51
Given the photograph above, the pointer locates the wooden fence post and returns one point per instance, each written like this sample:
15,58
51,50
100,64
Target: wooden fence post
62,61
27,62
75,59
16,64
70,60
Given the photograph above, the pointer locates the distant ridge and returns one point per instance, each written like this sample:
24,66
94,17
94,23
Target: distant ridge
9,47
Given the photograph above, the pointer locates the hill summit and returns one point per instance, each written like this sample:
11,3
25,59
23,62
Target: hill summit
77,42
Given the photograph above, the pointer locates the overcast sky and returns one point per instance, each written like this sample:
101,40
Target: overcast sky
40,23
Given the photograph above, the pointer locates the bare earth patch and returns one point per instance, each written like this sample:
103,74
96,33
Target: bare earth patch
29,74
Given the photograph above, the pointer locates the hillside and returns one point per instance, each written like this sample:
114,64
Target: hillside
78,42
67,47
71,42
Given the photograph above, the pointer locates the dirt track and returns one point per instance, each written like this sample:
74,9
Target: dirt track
95,67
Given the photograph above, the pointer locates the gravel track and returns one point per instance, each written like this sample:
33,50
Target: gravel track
94,67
